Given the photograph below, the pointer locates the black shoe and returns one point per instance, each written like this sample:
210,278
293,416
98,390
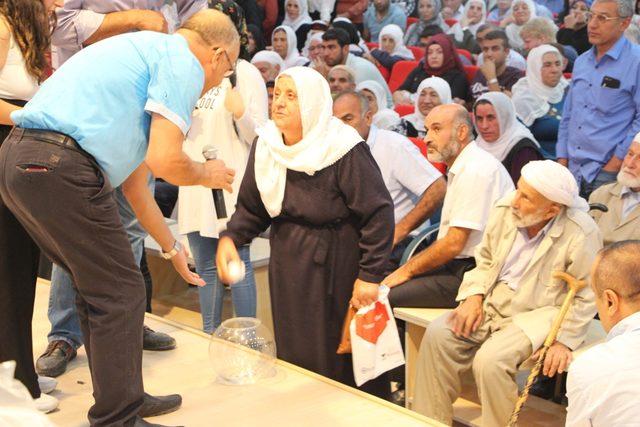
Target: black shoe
544,387
159,405
53,361
157,341
140,422
398,397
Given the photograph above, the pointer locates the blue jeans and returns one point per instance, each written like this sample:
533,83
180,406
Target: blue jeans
65,325
243,293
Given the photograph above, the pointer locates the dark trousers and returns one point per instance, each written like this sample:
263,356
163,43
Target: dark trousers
436,289
61,198
19,260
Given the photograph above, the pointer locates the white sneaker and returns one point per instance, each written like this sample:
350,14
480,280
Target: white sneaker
47,384
46,403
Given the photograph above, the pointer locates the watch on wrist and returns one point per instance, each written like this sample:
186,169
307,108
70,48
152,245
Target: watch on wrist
492,81
177,247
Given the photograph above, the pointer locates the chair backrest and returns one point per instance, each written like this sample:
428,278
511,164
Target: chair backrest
384,72
451,22
470,71
399,73
418,52
421,241
371,45
404,109
466,54
411,20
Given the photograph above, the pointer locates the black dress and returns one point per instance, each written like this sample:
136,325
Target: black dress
457,81
334,227
523,152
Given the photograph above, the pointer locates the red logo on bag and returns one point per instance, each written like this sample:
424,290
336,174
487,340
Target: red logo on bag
369,326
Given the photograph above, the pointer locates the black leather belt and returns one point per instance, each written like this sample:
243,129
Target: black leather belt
48,136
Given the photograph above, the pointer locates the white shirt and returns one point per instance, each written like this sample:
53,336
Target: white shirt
15,80
514,59
476,181
213,125
603,386
630,200
406,172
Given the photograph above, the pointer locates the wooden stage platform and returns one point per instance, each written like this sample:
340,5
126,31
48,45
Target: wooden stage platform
293,397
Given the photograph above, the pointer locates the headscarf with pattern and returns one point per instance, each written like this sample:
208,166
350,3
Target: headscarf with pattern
236,14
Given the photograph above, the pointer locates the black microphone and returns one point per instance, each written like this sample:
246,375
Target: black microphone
211,153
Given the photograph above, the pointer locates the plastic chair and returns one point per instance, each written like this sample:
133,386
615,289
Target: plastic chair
466,54
451,22
422,240
418,52
471,71
567,76
404,109
399,73
384,72
371,45
422,146
411,20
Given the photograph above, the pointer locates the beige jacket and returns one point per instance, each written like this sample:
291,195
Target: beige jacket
570,245
612,227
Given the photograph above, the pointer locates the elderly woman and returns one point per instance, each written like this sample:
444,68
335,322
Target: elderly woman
464,32
296,17
501,134
441,60
313,46
383,117
428,14
521,12
285,44
432,92
313,180
539,97
391,48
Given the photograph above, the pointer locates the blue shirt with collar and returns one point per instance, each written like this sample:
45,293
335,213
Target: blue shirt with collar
395,15
103,97
599,122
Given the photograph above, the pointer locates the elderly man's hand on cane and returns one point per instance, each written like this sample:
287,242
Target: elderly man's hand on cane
557,360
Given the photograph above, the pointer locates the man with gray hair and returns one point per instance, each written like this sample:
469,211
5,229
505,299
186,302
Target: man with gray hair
509,301
601,113
603,385
341,79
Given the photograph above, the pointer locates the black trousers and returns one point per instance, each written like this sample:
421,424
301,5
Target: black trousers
436,289
19,259
62,199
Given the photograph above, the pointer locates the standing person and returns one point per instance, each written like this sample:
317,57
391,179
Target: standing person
81,24
225,117
601,114
331,230
539,97
24,39
59,165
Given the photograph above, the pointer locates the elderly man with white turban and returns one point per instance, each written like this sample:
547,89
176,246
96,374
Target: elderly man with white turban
508,302
269,63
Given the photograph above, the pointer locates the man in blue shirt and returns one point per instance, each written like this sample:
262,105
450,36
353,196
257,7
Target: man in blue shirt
77,139
379,14
602,110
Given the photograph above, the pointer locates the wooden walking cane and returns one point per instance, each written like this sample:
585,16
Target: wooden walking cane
574,287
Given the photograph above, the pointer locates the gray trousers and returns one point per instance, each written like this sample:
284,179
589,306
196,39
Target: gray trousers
494,352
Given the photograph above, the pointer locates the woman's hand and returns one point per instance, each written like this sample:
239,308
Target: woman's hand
364,293
227,252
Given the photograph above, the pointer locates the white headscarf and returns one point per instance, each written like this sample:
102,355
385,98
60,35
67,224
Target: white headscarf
293,58
313,36
269,56
443,90
513,30
531,97
511,130
325,139
458,29
555,182
303,15
395,32
385,118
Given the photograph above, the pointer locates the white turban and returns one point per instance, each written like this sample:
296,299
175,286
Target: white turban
268,56
555,182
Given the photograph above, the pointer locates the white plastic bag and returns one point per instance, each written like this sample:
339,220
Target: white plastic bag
375,342
17,408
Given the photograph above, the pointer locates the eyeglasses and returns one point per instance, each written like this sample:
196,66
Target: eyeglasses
232,65
600,18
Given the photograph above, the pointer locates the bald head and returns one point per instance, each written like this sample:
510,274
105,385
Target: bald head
214,27
449,131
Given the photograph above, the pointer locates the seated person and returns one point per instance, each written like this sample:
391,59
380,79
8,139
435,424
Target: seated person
464,32
622,221
521,12
285,44
539,97
381,13
382,117
441,60
269,63
494,74
476,180
296,17
453,9
501,134
391,48
539,31
428,15
574,31
604,383
432,92
416,187
270,88
431,31
514,59
509,301
341,78
499,12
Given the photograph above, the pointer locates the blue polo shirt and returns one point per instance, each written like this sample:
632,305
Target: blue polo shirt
104,95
